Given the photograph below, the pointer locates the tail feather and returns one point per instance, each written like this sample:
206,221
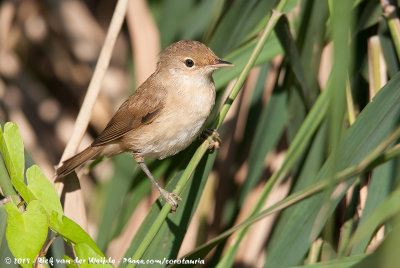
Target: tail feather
72,163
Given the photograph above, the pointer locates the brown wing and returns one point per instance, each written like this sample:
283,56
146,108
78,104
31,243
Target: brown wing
141,108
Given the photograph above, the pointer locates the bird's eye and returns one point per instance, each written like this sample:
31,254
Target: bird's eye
189,63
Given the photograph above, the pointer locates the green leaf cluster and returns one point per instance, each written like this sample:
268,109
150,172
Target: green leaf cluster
40,211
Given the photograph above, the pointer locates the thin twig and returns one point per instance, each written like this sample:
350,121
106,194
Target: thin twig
85,112
44,252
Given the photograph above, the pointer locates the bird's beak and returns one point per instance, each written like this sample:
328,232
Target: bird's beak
220,63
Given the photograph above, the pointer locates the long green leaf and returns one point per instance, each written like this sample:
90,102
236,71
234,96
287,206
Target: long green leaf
235,25
341,262
370,128
240,58
285,37
269,129
168,24
119,183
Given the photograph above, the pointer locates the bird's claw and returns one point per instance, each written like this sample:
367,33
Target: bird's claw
171,198
213,138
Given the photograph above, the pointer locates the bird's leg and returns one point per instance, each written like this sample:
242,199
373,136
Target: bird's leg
171,198
212,136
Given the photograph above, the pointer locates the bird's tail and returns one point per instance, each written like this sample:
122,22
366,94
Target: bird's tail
72,163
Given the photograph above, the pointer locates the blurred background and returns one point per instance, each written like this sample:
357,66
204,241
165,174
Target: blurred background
48,51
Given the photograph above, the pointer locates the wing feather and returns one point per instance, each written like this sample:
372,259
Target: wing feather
141,108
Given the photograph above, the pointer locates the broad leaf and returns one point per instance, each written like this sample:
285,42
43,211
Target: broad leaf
43,190
87,257
72,232
27,232
12,148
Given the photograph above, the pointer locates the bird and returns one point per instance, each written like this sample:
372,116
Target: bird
164,115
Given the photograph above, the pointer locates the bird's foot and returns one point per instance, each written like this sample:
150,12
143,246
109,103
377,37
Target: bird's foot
171,198
213,138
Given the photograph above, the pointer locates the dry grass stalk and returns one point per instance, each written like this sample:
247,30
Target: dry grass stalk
73,201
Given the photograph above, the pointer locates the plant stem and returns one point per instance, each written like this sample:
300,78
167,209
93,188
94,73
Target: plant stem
240,81
203,148
390,13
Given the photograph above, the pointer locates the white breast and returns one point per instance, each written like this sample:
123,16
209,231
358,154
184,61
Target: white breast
186,109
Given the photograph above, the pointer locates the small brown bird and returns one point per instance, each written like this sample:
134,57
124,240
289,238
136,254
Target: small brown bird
164,115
